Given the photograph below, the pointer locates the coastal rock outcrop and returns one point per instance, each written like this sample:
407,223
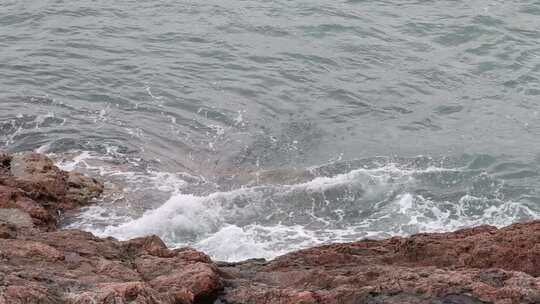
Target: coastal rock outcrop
41,264
72,266
32,183
478,265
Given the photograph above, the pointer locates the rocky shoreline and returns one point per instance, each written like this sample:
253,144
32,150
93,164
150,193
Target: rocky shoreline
42,264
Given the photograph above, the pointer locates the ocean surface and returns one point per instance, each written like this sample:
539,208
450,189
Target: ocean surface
253,128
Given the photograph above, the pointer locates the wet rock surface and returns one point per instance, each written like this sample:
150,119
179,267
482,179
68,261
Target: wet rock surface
40,264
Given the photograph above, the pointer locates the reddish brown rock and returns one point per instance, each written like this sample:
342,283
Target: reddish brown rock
32,183
13,198
479,265
71,266
41,180
38,177
75,267
39,264
516,247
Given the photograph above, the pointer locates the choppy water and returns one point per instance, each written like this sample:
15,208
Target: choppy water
252,128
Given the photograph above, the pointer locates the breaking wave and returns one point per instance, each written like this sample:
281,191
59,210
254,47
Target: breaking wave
375,199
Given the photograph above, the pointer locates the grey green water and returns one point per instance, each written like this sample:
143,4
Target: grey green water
252,128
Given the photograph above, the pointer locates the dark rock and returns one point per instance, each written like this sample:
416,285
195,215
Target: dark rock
5,162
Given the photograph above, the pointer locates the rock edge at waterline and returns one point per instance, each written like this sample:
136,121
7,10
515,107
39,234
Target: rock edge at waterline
41,264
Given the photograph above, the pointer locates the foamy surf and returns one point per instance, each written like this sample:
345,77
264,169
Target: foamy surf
266,220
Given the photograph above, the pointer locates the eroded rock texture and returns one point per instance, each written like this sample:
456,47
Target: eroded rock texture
479,265
75,267
40,264
33,184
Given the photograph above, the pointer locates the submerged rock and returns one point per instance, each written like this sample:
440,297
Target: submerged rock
39,264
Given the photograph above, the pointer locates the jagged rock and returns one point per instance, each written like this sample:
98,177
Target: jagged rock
41,180
32,183
13,198
81,189
39,264
38,177
72,266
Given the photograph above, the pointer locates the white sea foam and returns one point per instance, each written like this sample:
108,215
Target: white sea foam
103,165
269,220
